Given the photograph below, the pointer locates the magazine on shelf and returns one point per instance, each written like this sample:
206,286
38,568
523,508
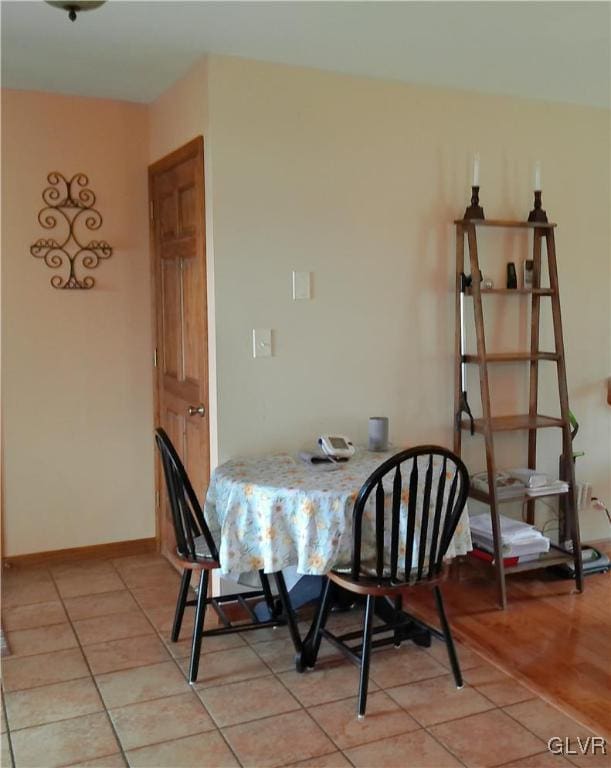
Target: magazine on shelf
507,487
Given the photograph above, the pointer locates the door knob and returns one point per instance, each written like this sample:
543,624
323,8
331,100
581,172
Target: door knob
198,410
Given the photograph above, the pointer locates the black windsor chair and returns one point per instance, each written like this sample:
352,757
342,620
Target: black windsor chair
379,578
196,550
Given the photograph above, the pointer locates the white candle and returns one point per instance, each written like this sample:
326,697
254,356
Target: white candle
476,170
538,176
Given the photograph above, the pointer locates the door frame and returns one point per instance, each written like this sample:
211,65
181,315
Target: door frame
193,148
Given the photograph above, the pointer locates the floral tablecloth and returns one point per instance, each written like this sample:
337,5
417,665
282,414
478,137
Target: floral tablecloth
276,511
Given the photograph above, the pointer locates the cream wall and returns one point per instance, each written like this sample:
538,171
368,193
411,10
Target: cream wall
358,181
354,179
77,382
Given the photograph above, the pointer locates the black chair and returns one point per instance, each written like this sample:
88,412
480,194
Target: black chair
380,572
196,550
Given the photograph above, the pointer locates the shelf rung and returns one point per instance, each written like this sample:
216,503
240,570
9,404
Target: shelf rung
506,223
511,423
512,357
555,556
474,493
515,291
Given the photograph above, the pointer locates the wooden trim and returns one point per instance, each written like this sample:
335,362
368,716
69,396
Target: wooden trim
103,551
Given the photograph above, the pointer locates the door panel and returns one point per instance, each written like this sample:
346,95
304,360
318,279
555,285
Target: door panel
171,340
176,187
192,289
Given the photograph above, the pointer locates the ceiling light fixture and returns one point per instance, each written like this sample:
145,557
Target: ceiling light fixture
74,8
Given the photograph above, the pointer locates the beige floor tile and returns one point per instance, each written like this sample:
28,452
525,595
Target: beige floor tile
223,667
125,654
16,593
162,618
129,563
33,616
267,634
487,739
248,700
437,700
544,760
66,742
109,761
25,575
546,721
383,718
119,625
416,749
59,701
28,642
279,655
141,684
151,722
156,575
182,648
406,664
152,597
204,749
466,657
330,681
333,760
6,759
89,585
31,671
104,604
78,569
277,740
500,688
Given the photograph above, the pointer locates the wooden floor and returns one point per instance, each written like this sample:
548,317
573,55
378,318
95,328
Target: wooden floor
555,640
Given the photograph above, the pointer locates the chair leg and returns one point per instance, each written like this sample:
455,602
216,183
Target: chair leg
398,609
200,613
448,638
287,609
180,605
320,621
366,655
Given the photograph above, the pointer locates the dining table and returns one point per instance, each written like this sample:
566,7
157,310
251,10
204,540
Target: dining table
278,512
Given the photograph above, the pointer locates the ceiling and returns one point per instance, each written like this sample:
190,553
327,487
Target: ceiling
135,49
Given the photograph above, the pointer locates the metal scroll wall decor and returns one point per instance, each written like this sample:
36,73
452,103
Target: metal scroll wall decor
69,207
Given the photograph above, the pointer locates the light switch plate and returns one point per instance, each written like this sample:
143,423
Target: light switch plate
301,285
261,342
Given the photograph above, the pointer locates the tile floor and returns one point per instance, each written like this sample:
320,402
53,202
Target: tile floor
93,680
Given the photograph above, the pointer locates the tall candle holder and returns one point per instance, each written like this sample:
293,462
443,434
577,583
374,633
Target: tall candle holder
475,210
538,214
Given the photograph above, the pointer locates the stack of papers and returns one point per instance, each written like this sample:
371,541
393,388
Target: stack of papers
518,539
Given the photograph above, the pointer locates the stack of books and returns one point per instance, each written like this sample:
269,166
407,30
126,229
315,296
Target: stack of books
520,542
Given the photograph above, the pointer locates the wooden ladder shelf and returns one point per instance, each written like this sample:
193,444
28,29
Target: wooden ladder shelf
532,421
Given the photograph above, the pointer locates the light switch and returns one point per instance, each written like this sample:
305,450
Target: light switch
261,342
301,285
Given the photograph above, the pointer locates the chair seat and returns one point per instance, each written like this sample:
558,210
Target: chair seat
371,585
203,556
366,585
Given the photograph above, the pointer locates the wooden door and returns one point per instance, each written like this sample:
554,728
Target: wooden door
176,190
